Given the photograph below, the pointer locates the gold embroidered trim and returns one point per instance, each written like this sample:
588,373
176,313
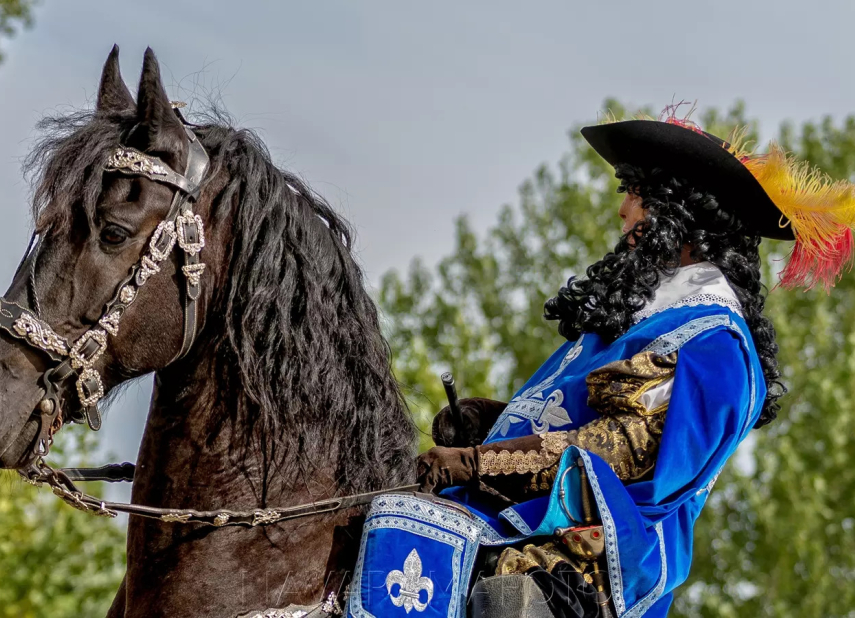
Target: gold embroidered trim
626,441
494,463
554,442
547,557
627,435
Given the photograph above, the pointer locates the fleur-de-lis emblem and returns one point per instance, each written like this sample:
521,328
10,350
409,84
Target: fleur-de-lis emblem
411,584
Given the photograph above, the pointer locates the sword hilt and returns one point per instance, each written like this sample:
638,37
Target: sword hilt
453,400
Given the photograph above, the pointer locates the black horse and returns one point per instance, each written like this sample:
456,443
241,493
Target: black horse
286,395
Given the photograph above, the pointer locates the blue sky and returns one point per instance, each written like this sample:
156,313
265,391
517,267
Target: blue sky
405,115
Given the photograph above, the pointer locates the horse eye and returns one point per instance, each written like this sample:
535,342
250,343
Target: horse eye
113,235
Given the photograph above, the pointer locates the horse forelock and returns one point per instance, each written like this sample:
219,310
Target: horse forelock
65,167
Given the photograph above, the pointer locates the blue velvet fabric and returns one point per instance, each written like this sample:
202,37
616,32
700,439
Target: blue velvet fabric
717,396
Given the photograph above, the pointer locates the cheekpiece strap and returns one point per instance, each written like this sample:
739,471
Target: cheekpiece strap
181,227
197,164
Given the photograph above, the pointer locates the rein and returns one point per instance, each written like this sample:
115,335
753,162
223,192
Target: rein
60,482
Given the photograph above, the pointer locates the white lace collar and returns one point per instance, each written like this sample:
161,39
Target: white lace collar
693,285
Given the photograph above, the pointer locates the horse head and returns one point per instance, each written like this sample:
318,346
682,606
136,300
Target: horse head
94,225
182,250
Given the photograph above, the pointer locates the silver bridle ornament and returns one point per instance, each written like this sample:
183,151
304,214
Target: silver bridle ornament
40,335
168,233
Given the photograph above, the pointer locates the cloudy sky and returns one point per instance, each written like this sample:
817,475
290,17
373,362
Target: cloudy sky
406,115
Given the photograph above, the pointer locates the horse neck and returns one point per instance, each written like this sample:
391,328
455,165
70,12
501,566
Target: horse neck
184,463
180,466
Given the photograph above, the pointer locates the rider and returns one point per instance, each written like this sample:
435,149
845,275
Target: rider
669,362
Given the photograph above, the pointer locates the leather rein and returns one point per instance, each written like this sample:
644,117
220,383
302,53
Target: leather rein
75,362
63,487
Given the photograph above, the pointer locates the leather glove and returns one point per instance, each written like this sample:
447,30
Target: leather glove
479,415
442,467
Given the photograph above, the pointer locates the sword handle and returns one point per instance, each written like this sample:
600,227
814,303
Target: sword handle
453,400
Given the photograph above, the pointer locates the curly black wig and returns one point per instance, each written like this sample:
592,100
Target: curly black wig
677,214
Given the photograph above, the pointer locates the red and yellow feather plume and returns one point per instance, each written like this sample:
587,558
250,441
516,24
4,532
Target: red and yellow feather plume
821,211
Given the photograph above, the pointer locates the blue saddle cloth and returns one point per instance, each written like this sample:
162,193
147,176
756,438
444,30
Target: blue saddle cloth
415,558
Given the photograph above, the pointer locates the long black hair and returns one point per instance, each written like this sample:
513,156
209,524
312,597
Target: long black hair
676,214
302,347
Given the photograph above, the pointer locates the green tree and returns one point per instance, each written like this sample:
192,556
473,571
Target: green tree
777,537
13,15
54,560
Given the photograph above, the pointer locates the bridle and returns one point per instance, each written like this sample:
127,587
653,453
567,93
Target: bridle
76,361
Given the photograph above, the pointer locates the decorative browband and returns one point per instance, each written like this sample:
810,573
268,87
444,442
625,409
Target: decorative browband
132,162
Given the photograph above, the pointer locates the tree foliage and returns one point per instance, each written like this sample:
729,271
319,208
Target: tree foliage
13,15
777,537
56,561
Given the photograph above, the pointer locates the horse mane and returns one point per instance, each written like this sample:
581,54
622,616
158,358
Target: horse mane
301,368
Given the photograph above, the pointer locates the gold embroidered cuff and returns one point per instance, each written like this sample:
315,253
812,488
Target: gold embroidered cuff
494,463
626,441
546,556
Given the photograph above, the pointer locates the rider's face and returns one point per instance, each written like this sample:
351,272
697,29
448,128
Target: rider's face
630,212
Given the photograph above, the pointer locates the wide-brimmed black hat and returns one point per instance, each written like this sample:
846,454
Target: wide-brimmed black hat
690,153
772,193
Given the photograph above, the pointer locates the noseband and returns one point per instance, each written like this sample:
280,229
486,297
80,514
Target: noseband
76,361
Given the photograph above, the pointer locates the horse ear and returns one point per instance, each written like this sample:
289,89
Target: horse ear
113,94
158,129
